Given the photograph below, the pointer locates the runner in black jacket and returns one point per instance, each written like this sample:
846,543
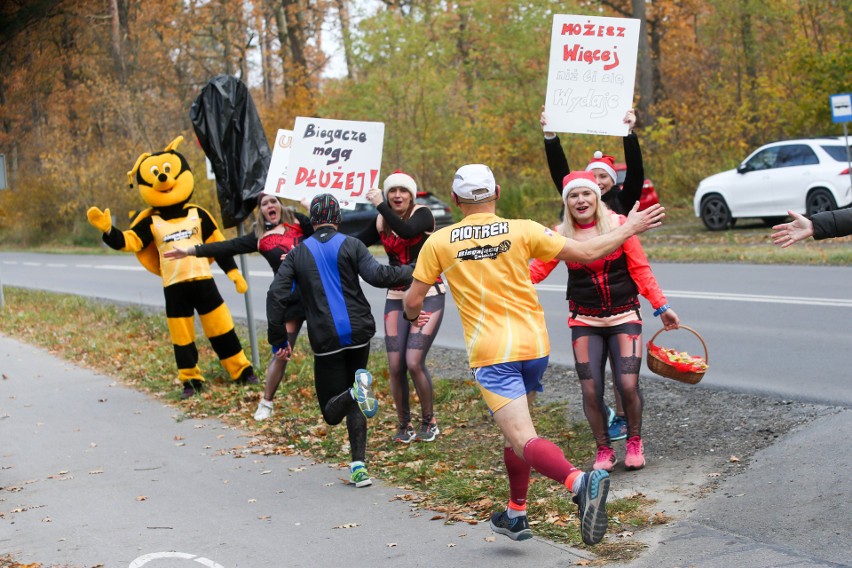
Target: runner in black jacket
326,268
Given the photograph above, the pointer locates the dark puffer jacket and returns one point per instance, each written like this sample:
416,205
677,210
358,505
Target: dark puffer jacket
830,224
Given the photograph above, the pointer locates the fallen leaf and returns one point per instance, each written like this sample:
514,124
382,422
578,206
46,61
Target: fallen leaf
490,539
178,437
141,498
390,544
266,472
582,563
265,517
46,520
733,459
252,500
296,469
451,545
102,400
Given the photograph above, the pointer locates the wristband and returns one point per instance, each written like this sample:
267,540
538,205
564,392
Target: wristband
279,346
405,317
661,309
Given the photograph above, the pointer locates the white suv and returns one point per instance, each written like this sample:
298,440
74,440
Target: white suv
806,176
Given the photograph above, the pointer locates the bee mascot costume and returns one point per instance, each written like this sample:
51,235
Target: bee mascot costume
166,183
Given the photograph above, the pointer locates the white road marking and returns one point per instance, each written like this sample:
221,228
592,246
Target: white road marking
144,559
723,296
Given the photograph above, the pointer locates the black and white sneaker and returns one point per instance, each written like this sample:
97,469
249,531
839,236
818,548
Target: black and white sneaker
591,500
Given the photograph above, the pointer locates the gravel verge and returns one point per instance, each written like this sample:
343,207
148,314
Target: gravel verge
694,435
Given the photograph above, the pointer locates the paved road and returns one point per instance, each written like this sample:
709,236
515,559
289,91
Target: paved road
786,328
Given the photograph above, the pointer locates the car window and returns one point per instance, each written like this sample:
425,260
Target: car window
795,155
836,152
763,160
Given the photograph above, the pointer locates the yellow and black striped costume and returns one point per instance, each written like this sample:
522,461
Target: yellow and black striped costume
165,182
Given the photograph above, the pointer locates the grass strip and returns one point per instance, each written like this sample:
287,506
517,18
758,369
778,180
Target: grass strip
460,477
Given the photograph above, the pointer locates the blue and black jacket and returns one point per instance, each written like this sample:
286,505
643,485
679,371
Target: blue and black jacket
327,268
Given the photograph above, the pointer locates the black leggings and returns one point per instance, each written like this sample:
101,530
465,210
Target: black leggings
334,374
591,346
407,347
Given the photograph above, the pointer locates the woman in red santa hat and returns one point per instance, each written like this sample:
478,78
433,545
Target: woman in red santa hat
402,227
619,200
605,318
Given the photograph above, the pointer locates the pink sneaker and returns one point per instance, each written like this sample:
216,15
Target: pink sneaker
635,458
605,459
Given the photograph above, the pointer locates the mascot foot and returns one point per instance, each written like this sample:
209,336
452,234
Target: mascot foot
191,388
247,378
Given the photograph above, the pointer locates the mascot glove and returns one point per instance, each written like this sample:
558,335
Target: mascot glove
238,280
100,220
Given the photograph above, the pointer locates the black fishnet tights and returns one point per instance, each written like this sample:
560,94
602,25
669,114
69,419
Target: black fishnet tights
592,346
407,347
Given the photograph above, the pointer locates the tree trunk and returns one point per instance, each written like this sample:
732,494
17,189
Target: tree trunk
115,43
645,66
343,11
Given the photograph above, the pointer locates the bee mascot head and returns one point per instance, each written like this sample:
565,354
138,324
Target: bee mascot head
163,178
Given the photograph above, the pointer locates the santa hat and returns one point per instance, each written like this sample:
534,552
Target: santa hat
580,179
604,162
403,180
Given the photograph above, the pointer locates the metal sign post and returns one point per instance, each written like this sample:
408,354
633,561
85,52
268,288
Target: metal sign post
255,355
841,111
2,186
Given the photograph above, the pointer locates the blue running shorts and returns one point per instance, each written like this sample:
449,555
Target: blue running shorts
502,383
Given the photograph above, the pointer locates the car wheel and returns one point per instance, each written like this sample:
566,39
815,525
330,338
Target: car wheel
772,221
715,213
819,200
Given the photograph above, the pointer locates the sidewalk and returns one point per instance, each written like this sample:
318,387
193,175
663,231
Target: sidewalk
93,473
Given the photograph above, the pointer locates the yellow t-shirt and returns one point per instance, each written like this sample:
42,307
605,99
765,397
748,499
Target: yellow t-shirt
485,262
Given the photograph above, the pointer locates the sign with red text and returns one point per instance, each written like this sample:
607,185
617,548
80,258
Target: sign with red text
275,184
340,157
591,75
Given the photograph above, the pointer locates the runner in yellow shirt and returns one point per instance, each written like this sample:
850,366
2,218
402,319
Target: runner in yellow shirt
485,261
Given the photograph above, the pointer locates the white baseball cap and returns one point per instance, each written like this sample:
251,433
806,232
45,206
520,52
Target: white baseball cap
474,183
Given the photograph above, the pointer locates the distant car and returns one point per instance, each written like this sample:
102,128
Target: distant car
355,220
440,210
649,194
806,176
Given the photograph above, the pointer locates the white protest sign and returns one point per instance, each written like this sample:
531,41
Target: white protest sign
340,157
591,74
275,184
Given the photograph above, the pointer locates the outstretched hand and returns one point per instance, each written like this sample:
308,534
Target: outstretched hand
650,218
799,229
176,253
100,220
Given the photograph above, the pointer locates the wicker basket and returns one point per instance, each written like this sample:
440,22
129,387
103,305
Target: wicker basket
665,369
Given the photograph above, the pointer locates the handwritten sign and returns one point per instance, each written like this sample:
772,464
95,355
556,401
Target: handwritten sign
340,157
591,74
275,178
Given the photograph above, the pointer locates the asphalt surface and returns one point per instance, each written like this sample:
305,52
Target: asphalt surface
97,474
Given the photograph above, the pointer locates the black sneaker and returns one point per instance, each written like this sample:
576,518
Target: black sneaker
191,388
248,378
516,529
428,431
591,500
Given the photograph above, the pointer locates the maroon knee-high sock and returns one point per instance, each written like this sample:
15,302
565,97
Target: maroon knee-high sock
519,479
546,458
